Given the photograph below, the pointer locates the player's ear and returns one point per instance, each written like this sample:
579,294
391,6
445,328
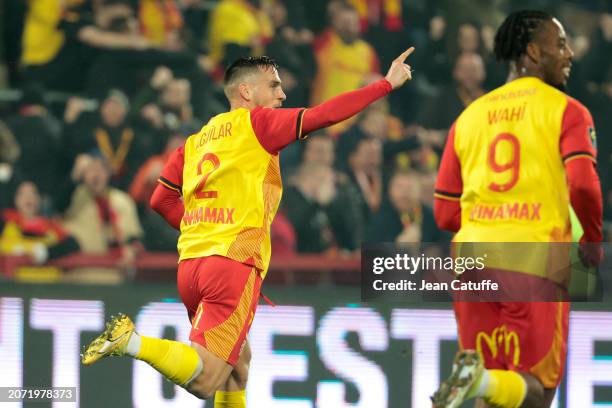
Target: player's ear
245,91
533,52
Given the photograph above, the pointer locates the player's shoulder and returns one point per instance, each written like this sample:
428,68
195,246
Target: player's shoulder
576,108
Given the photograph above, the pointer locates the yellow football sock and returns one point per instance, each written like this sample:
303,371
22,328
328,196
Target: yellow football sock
230,399
174,360
506,389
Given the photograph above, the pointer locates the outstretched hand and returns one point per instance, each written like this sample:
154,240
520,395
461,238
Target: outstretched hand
400,72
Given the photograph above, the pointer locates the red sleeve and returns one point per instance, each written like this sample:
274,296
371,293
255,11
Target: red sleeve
343,106
172,174
276,128
577,133
168,203
449,186
578,142
585,197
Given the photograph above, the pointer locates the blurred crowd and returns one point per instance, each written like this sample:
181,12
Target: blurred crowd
95,94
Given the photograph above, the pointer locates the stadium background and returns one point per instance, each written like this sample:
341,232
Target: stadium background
126,80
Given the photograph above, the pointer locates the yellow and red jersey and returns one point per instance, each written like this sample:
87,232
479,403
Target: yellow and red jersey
341,67
229,177
504,162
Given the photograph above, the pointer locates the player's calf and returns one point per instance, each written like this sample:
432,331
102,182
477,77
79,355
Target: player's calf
534,397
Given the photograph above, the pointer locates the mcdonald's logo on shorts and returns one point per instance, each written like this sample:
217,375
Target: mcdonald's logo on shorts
500,340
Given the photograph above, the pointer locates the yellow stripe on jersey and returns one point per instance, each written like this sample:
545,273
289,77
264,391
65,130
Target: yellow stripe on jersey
169,184
300,136
447,196
579,155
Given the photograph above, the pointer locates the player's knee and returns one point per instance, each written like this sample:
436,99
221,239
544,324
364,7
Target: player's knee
241,374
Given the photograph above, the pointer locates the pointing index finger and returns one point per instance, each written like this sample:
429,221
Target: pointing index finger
405,54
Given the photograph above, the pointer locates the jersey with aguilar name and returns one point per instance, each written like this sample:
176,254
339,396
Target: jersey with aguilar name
229,177
504,162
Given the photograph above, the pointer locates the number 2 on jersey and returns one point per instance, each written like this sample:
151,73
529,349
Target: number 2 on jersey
513,165
199,191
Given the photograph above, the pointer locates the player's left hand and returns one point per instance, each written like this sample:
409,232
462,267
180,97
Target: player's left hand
590,253
400,72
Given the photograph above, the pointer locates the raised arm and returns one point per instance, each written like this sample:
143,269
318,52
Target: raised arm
277,128
348,104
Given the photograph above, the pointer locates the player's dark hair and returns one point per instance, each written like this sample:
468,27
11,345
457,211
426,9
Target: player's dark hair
518,30
246,65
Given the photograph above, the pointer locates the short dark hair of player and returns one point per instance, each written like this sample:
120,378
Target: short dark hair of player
247,65
518,30
243,67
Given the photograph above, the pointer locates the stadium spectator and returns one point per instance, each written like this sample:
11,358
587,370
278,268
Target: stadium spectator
296,19
161,22
157,235
165,105
381,22
364,167
319,149
321,216
39,134
9,175
250,31
344,60
127,70
376,122
60,39
344,211
109,131
103,219
468,75
304,203
291,47
402,216
24,231
435,55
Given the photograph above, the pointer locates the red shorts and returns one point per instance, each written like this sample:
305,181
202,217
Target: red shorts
221,296
527,337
